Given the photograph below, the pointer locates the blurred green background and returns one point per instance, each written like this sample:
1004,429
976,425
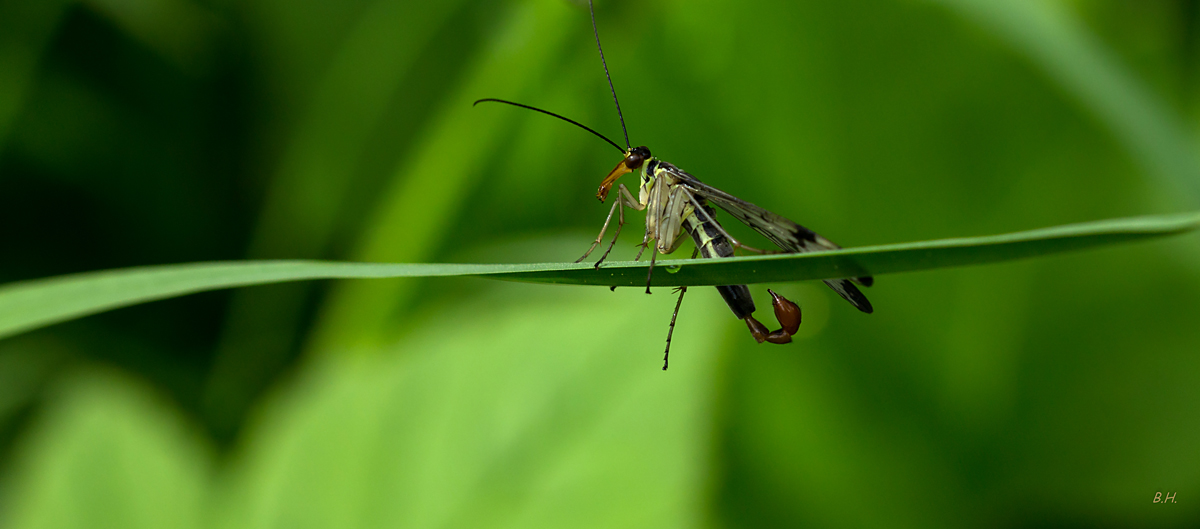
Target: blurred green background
1056,392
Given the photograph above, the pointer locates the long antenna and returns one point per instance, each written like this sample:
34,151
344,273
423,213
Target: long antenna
606,74
549,113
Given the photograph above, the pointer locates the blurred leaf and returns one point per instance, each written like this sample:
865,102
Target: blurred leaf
474,424
1048,392
108,455
1058,43
181,31
26,29
25,365
428,189
806,439
308,193
324,150
31,304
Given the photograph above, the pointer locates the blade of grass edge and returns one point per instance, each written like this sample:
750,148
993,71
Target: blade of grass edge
28,305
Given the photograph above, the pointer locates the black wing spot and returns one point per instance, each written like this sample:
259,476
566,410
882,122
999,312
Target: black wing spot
804,234
850,293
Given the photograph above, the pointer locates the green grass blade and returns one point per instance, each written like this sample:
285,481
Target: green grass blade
31,304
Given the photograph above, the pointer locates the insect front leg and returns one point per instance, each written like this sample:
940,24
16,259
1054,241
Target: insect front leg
600,237
624,198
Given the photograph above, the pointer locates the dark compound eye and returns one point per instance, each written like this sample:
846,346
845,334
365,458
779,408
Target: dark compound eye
637,156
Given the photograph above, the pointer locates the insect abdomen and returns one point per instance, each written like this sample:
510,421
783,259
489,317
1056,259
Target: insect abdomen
714,245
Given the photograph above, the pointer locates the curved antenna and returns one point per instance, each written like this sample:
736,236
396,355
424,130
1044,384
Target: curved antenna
548,113
606,74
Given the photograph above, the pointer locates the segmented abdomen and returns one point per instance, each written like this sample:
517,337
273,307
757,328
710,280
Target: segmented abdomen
714,245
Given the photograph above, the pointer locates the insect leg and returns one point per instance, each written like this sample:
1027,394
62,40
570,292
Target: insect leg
653,207
680,215
650,273
733,241
670,218
656,206
671,329
644,244
678,218
675,245
604,228
625,198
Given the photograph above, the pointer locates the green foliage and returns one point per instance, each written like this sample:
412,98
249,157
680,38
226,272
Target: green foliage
110,454
385,441
33,304
279,140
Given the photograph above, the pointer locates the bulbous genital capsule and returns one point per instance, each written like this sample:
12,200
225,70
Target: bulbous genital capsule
789,317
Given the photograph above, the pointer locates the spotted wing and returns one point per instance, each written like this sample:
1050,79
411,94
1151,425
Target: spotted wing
788,235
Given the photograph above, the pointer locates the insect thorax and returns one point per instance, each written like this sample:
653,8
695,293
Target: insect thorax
646,182
653,171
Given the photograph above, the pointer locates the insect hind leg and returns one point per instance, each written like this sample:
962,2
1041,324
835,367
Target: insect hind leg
671,330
